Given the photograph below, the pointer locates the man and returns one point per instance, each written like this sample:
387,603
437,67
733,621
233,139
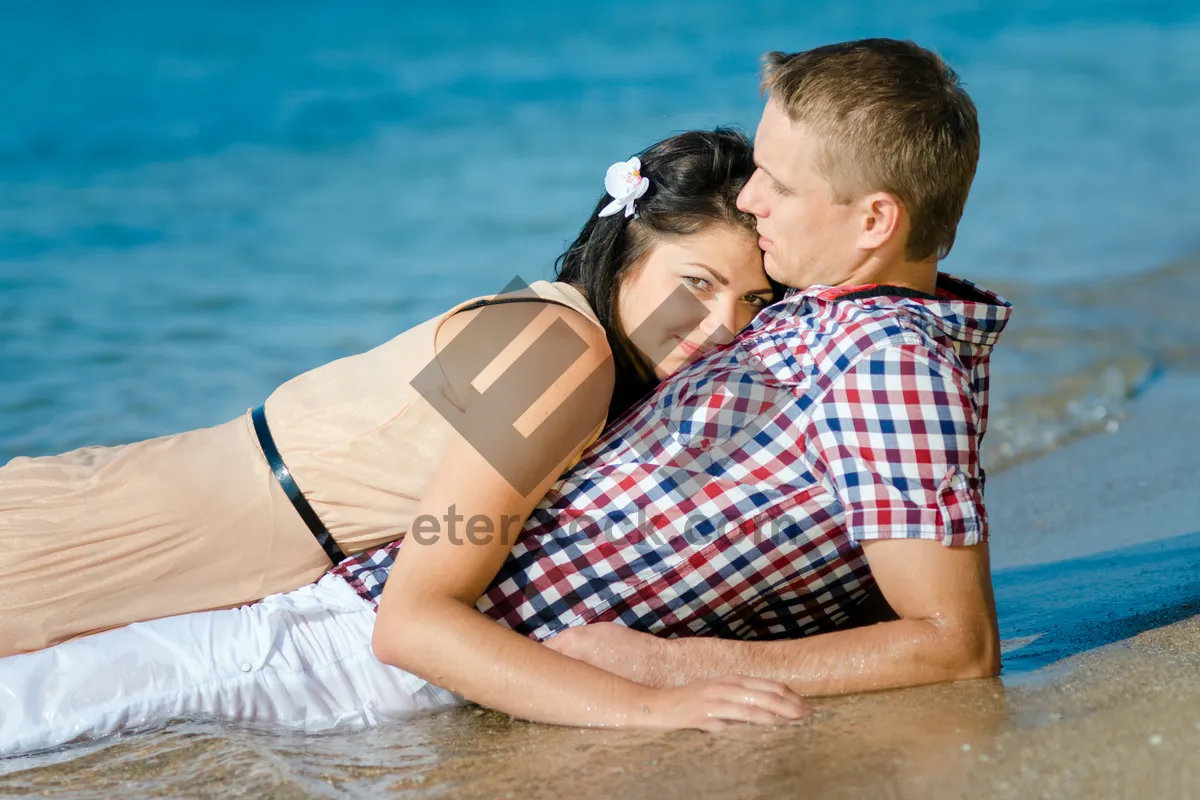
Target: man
761,494
865,155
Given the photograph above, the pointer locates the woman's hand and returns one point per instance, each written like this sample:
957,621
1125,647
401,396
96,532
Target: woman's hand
493,471
715,704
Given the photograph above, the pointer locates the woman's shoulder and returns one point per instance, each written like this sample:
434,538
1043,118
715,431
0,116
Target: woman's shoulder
554,349
535,297
567,294
525,314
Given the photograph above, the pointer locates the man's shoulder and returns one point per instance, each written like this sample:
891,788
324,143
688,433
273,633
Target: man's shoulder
833,337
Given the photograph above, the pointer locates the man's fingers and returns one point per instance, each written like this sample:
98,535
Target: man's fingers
776,687
775,704
733,701
770,702
767,686
740,711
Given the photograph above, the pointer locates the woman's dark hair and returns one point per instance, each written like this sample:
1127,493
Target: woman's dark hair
695,178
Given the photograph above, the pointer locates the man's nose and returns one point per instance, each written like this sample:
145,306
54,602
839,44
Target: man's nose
748,198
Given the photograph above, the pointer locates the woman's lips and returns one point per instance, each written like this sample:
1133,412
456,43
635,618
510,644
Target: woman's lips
690,350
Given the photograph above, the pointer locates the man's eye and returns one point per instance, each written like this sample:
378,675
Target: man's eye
777,189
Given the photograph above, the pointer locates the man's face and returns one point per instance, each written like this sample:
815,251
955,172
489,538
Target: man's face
807,238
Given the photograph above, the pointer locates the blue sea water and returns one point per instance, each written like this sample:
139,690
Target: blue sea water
199,200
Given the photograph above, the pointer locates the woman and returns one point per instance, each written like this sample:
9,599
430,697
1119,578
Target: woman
362,451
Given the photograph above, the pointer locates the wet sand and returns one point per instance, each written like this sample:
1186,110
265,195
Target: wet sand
1096,552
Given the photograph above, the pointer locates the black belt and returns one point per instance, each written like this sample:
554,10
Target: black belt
267,442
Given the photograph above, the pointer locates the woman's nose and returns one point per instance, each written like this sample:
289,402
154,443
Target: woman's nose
721,324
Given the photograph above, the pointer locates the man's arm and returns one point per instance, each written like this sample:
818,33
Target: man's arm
895,441
946,632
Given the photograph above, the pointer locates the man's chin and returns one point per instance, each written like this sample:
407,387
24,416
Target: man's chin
779,273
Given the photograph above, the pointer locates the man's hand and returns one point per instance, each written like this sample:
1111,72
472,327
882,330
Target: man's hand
645,659
946,631
637,656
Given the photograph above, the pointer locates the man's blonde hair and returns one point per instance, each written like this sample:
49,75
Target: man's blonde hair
891,116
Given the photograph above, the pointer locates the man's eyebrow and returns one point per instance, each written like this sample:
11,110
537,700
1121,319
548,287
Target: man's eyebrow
759,165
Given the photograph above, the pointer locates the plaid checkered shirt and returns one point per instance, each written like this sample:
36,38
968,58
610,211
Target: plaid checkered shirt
731,502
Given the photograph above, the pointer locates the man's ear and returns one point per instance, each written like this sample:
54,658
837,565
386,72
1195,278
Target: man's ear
882,218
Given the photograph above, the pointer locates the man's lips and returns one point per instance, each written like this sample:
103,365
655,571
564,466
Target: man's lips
764,243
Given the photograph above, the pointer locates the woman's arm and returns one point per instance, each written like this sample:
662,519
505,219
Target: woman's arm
427,621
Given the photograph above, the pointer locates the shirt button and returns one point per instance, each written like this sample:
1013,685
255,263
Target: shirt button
246,667
754,361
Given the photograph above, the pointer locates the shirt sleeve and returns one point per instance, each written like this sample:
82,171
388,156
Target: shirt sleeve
894,439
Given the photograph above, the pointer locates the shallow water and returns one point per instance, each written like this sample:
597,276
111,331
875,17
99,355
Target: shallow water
198,201
1075,355
201,200
1017,737
1050,612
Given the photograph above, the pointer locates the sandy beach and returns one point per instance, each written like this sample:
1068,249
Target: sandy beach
1096,551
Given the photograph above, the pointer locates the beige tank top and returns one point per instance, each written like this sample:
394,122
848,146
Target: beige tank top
361,442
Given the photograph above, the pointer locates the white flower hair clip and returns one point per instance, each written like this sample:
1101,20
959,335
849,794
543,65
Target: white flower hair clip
625,183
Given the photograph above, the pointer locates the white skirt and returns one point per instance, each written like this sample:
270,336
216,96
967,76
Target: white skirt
301,660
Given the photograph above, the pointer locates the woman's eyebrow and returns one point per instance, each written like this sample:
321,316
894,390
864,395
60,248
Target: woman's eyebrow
721,279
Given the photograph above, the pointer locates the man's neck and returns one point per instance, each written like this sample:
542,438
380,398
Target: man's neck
920,276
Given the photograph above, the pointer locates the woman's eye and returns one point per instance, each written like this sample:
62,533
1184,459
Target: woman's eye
756,301
698,283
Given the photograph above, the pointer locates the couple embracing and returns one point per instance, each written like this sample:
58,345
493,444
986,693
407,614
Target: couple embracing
663,490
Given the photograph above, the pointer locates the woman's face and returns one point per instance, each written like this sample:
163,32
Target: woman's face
692,294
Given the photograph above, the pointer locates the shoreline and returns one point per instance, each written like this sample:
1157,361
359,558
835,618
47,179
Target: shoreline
1095,547
1105,491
